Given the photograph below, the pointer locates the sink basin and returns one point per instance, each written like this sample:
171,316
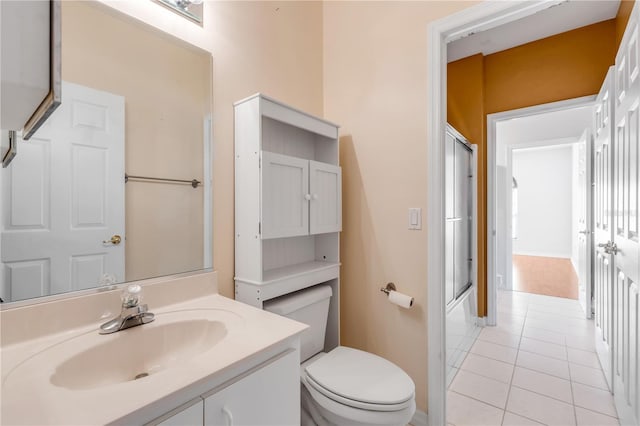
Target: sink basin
92,360
138,352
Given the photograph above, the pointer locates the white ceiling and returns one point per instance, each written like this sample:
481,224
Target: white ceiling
557,19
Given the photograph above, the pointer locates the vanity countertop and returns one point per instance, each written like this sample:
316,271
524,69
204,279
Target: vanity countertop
29,395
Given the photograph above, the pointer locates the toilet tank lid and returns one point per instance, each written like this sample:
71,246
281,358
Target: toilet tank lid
285,305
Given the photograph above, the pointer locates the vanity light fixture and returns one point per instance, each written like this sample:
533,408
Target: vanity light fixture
191,9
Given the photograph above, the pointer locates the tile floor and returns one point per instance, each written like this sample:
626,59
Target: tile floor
537,366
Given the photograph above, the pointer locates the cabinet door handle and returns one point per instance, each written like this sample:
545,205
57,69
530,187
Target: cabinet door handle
307,197
228,416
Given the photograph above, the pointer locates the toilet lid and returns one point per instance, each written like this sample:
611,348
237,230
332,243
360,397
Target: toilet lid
361,376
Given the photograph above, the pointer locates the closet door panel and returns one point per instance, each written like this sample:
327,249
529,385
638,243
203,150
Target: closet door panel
285,204
326,200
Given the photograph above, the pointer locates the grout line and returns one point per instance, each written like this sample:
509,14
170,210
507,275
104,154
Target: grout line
480,401
524,417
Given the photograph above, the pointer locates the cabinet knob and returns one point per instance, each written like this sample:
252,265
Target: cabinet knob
228,416
307,197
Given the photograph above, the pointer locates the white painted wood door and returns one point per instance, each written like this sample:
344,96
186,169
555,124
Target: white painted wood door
63,195
603,114
285,196
584,221
268,396
325,187
625,225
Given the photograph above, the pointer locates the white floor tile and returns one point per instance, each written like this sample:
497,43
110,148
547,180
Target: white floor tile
588,376
511,419
497,352
543,348
542,383
543,364
499,337
594,399
481,388
586,343
546,325
591,418
497,370
544,335
463,411
540,408
589,359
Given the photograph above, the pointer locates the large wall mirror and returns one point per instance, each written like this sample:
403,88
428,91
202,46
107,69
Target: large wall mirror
135,101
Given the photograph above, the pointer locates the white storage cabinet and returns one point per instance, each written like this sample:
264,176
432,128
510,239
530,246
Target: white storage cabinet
288,204
267,394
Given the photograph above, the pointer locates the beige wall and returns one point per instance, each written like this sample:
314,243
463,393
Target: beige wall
166,87
375,86
271,47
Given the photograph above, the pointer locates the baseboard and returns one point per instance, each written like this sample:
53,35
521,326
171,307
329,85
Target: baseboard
481,321
419,419
541,254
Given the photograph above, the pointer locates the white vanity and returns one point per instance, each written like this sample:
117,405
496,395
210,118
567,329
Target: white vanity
205,360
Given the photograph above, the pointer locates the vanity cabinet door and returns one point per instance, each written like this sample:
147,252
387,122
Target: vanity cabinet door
325,187
266,395
285,196
189,414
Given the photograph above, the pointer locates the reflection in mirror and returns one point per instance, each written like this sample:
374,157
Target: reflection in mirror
135,101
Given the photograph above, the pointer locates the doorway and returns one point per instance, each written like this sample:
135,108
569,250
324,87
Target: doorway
539,198
473,20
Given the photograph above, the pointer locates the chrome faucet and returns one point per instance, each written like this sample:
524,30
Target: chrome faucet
132,314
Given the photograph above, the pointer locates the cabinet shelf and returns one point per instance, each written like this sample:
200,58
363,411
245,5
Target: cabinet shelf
301,269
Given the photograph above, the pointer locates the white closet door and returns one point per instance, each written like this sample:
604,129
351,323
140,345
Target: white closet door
326,198
584,213
63,196
602,228
285,196
625,226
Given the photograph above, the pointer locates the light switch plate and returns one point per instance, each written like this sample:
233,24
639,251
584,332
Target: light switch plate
415,218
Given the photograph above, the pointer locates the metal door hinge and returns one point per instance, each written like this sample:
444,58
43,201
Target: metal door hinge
259,228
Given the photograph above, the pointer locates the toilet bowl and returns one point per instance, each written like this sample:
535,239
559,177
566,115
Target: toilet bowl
350,387
345,386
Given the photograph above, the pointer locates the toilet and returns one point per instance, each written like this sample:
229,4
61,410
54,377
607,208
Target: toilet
345,386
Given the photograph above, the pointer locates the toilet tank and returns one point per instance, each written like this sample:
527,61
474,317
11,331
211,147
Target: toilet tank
309,306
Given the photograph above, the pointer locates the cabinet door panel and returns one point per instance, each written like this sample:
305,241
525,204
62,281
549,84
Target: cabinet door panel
326,198
187,415
285,183
269,396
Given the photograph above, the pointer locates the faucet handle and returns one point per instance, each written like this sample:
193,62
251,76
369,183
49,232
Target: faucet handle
131,296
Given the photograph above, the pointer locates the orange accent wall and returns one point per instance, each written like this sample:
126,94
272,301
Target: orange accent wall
622,17
565,66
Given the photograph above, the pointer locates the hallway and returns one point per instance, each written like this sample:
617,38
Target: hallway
537,366
551,276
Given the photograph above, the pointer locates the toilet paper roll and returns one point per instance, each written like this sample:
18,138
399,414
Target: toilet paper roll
400,299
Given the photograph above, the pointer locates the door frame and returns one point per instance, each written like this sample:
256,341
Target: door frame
492,193
476,18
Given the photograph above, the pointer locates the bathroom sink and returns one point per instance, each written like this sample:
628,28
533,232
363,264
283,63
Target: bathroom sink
92,360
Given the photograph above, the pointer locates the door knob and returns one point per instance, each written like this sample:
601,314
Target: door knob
115,240
609,247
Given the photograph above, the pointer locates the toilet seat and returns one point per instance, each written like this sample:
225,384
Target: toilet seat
327,412
358,388
360,380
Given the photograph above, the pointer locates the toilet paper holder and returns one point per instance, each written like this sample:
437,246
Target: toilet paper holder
388,288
